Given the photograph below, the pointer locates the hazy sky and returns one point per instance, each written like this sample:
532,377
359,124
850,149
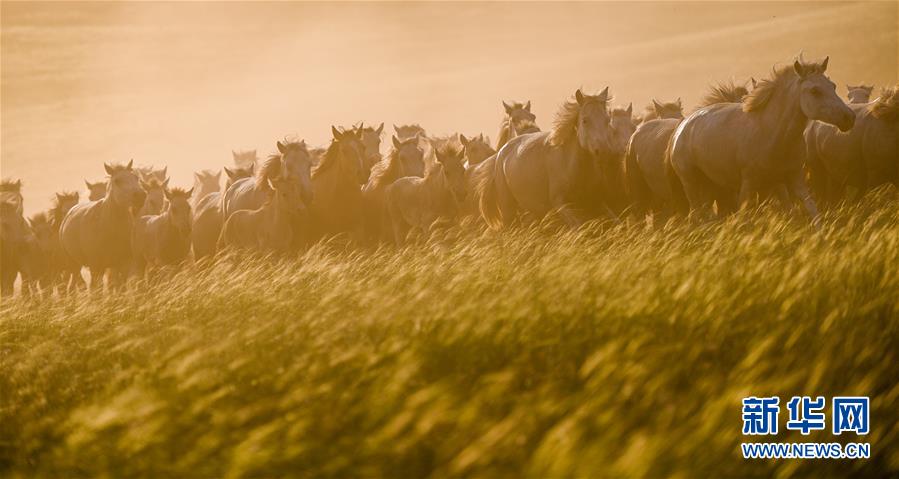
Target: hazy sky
183,83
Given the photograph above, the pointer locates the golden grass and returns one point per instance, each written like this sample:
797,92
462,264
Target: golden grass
611,351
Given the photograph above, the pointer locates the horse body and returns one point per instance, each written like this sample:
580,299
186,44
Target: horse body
730,153
563,170
164,239
208,218
98,234
862,158
414,202
292,162
337,185
269,228
405,159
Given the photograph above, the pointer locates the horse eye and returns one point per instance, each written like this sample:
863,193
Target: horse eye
816,91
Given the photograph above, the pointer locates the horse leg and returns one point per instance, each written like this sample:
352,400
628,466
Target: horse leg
799,189
97,279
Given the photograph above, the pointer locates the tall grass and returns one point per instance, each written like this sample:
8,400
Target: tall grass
616,351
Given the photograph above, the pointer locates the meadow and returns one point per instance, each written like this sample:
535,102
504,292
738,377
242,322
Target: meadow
614,350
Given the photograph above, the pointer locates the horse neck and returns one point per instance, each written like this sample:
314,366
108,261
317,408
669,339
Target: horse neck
435,188
782,119
503,135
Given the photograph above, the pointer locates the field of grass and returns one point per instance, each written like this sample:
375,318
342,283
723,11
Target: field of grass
608,352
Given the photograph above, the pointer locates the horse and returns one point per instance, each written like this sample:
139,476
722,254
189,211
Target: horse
155,190
406,158
205,182
207,215
862,158
98,234
268,228
292,162
16,241
651,185
859,94
476,149
732,152
49,265
11,192
163,239
660,110
95,191
337,185
244,159
147,173
371,144
559,170
517,114
623,126
413,202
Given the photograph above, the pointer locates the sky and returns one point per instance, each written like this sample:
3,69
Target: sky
182,84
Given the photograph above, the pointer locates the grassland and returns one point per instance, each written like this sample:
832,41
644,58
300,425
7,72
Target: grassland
612,351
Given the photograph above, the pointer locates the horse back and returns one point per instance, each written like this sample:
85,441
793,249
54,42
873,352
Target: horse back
242,195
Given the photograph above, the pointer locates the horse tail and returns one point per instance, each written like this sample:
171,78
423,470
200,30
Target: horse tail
488,180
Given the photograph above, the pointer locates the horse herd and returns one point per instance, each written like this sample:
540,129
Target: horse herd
789,137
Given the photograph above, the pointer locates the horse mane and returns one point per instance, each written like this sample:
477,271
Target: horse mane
10,186
761,95
271,167
565,122
887,106
41,218
118,168
329,159
179,192
724,92
387,170
445,150
56,205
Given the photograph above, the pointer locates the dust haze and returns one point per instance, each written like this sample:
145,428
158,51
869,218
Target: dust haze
181,84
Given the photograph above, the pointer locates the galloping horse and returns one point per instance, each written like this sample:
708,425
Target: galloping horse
862,158
650,181
205,182
559,170
337,182
208,220
731,153
406,158
292,162
98,234
414,202
268,228
164,239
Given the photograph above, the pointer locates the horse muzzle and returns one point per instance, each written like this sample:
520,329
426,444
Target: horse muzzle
137,200
847,121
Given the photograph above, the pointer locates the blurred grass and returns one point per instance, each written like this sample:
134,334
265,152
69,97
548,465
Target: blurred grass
611,351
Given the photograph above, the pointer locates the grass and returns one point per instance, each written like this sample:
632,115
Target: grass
615,351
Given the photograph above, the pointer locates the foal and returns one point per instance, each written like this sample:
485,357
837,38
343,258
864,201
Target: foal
417,202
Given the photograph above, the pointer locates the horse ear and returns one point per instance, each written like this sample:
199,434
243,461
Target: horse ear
380,129
167,194
507,107
335,132
108,168
229,172
165,170
190,192
527,106
218,175
755,82
604,95
88,184
252,168
396,128
824,64
656,106
579,97
679,103
799,69
233,154
396,142
281,147
463,140
630,108
131,163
